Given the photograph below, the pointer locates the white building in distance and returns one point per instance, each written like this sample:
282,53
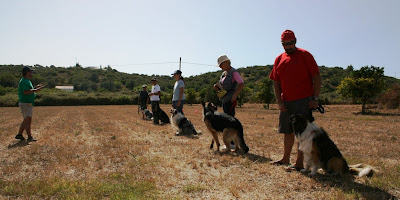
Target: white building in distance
68,88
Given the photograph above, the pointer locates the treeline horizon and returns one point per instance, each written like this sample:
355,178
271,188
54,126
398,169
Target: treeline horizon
107,86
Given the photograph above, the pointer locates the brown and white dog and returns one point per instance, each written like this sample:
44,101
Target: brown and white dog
320,151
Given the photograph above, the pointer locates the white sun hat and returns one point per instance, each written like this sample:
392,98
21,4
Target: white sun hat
222,59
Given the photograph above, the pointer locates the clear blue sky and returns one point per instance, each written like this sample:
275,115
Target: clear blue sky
337,33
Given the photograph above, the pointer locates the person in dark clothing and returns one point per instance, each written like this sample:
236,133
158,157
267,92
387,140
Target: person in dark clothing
143,98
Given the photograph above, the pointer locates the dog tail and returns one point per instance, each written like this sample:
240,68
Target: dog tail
362,170
241,141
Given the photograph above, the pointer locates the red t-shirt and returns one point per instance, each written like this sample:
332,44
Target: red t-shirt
295,72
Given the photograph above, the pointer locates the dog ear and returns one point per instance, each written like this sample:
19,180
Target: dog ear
203,104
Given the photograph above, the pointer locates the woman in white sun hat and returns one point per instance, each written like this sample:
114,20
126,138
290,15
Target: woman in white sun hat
229,83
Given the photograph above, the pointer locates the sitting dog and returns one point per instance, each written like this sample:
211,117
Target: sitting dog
231,128
320,151
182,124
164,117
147,115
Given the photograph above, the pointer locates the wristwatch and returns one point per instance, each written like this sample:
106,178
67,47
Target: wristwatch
314,98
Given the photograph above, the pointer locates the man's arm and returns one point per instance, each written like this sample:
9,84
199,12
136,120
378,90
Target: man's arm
317,89
317,84
278,92
31,91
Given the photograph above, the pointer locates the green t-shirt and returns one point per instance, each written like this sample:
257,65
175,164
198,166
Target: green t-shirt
25,84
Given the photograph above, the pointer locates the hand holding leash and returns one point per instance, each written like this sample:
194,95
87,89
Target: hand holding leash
320,108
282,106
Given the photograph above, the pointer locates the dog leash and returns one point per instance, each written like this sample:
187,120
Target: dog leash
234,104
320,108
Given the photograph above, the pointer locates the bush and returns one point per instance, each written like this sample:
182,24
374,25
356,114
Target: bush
9,100
391,98
2,90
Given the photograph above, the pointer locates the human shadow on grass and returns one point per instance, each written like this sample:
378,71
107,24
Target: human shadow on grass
20,143
257,158
348,185
252,157
372,113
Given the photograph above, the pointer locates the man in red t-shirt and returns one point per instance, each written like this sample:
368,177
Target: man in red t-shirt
297,84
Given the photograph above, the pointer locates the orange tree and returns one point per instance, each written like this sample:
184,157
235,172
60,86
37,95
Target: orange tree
363,85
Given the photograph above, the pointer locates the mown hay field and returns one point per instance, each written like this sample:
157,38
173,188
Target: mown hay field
109,152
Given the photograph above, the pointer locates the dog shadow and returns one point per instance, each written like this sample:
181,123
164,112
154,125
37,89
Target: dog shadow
18,144
348,185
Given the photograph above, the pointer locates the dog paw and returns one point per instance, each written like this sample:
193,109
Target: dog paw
312,173
303,171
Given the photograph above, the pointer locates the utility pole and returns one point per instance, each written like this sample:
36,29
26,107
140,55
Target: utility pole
180,61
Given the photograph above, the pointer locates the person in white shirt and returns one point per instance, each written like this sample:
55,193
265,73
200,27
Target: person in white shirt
155,101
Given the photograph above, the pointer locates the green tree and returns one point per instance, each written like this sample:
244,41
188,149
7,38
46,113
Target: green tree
363,85
265,94
8,80
244,96
191,96
94,77
130,85
107,84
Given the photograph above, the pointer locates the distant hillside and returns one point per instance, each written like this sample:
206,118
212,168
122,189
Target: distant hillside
108,80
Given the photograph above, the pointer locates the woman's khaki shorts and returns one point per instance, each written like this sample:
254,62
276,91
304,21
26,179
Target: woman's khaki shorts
26,109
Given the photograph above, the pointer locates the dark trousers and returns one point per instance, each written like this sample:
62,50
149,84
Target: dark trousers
178,108
155,108
228,109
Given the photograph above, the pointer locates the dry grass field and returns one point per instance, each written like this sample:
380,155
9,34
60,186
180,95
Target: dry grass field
109,152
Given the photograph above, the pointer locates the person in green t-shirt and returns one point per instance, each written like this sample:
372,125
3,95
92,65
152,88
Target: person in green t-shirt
26,95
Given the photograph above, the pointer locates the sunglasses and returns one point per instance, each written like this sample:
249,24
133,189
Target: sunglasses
288,43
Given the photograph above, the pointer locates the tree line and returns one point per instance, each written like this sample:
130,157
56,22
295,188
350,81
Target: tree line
94,85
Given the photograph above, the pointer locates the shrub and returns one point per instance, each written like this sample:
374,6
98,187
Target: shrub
391,98
8,100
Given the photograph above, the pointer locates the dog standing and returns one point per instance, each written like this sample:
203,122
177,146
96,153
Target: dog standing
231,128
320,151
180,122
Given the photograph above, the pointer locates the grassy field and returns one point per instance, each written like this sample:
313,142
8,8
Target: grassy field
109,152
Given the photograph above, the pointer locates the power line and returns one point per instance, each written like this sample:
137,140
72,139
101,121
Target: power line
160,63
198,64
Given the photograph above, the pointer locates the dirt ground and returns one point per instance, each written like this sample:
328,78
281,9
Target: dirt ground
93,142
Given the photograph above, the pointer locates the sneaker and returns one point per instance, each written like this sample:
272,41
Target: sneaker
31,139
19,137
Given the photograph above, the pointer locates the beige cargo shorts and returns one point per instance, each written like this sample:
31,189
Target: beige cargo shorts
26,109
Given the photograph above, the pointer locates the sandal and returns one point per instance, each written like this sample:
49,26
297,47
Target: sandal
293,168
278,162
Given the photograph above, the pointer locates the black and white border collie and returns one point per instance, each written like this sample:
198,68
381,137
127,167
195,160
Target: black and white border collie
230,127
182,124
320,151
147,115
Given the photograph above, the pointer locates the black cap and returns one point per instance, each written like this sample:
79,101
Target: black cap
154,79
177,72
25,70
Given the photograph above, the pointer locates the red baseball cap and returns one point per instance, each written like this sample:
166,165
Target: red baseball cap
288,35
